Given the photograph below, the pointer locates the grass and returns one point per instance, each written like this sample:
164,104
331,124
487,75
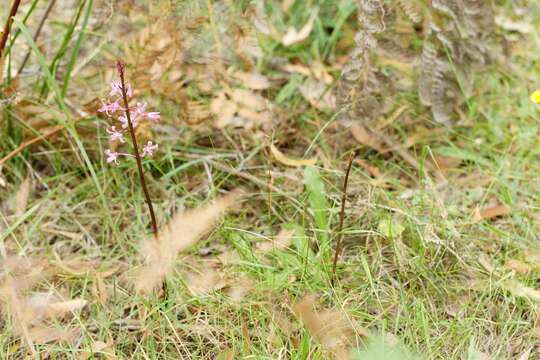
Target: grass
415,267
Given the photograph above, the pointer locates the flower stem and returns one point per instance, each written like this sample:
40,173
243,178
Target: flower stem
120,67
341,218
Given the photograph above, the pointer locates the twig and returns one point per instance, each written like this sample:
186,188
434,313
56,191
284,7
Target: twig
7,27
26,144
341,218
37,33
121,67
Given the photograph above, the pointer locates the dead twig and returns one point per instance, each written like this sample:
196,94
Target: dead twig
37,33
7,26
27,143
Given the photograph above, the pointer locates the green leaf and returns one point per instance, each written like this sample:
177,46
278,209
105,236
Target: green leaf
318,203
390,228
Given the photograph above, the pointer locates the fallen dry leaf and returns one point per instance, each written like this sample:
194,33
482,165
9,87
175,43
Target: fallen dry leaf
328,327
373,170
508,24
318,94
99,290
183,231
294,36
280,157
106,350
366,138
486,263
252,80
281,241
248,99
223,109
518,266
21,197
207,281
490,213
240,288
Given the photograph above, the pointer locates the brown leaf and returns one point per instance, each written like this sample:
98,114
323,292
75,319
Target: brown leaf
490,213
240,288
99,290
294,36
281,241
373,170
280,157
486,263
223,109
318,94
207,281
328,327
99,347
249,99
518,266
19,200
44,334
366,138
252,80
183,231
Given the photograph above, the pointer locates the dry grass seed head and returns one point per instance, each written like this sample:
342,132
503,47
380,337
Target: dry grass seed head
183,231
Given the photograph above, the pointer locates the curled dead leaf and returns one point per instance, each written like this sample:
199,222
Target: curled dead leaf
280,157
252,80
518,266
318,94
490,213
328,327
294,36
366,138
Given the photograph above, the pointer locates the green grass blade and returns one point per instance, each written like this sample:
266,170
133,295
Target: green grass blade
76,49
60,101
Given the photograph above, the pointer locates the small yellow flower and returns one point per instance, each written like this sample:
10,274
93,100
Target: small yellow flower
535,97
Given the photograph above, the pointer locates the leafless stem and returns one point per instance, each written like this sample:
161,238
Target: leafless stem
121,67
341,217
7,27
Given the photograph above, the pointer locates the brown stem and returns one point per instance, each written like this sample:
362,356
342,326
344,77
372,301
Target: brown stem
121,68
341,217
36,35
7,27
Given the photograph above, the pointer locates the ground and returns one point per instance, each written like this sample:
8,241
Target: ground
440,247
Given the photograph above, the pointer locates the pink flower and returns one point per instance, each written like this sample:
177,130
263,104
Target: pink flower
140,109
149,149
109,109
116,135
116,89
123,119
153,115
112,156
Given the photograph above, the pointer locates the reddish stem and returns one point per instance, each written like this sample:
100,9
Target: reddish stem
7,27
341,218
120,67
